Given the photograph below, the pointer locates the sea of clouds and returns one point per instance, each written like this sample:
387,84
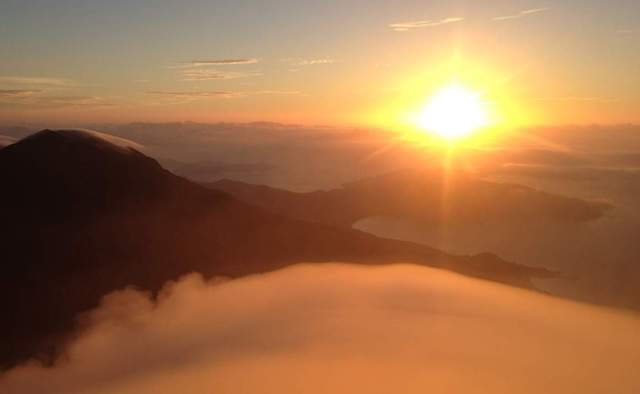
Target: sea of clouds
339,328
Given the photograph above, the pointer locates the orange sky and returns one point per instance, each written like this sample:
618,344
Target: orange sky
300,62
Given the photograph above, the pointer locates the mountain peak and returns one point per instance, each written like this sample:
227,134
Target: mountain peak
82,138
58,173
63,155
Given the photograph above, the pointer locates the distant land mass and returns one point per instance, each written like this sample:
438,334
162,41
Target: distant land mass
86,213
422,195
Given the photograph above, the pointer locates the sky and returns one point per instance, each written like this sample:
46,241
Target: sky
365,63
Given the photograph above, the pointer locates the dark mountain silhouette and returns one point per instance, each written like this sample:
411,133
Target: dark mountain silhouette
84,214
422,195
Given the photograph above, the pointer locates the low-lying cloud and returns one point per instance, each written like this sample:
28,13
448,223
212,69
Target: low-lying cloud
342,329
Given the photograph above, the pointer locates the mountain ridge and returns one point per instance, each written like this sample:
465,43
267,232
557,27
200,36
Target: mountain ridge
85,218
420,194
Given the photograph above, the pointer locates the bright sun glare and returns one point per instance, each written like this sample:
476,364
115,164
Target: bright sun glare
454,112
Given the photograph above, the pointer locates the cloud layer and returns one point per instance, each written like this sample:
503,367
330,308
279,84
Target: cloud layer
342,329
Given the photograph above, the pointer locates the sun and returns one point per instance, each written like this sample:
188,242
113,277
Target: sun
454,112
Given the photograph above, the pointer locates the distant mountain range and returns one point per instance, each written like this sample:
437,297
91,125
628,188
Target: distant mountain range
423,195
84,214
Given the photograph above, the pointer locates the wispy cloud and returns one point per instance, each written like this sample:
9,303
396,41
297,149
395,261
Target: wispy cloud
312,62
223,94
34,81
521,14
578,99
218,62
34,99
26,92
277,92
301,62
411,25
195,95
13,93
207,70
74,101
214,74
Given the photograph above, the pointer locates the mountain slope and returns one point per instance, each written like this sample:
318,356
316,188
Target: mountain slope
84,215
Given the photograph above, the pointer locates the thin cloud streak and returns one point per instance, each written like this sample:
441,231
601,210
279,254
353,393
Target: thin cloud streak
206,70
521,14
41,81
579,99
411,25
33,100
215,63
194,95
219,62
13,93
278,92
214,75
298,62
312,62
71,102
218,93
